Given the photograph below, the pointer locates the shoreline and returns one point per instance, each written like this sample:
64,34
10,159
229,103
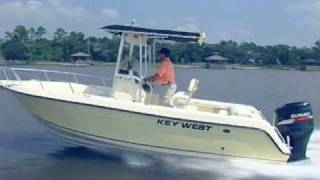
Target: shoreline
54,63
190,65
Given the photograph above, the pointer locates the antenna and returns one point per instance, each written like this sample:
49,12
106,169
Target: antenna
88,46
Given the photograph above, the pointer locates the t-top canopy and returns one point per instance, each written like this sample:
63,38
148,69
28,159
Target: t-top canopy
164,34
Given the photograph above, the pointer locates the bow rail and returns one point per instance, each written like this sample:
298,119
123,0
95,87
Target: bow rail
17,75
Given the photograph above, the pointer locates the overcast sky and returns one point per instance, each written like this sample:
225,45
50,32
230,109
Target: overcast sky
265,22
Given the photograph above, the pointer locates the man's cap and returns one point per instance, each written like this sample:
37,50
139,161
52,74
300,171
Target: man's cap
164,51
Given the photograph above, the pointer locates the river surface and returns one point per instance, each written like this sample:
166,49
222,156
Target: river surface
29,151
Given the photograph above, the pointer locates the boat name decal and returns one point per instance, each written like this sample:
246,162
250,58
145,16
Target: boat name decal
186,125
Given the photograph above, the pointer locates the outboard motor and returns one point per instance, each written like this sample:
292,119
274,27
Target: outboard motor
295,123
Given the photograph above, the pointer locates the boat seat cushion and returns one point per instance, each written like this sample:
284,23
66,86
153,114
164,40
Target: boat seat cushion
181,99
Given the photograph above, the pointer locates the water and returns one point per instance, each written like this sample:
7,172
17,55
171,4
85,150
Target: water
28,151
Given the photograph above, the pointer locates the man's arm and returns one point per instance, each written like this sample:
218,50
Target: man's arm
152,78
158,74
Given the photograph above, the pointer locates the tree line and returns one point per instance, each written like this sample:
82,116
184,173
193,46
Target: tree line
28,44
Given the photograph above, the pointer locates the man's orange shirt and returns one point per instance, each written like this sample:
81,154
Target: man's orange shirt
166,74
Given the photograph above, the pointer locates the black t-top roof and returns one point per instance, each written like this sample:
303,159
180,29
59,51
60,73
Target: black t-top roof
165,34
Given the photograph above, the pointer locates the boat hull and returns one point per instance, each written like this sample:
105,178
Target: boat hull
109,127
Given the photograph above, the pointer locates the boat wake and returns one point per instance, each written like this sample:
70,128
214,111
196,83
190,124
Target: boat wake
165,166
237,168
244,168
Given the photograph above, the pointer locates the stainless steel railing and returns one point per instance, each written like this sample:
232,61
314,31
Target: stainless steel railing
48,75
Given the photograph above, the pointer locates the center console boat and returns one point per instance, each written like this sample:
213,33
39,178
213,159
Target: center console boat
128,116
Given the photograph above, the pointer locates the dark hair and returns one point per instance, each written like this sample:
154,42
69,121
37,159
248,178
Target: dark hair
164,51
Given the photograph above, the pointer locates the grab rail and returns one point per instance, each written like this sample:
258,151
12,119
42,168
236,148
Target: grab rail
75,76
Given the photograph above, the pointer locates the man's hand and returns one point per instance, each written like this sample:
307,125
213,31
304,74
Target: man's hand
150,78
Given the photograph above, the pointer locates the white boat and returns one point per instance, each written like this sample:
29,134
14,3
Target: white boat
128,114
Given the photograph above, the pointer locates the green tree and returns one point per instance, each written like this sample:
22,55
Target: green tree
59,48
38,46
41,31
14,46
317,43
31,44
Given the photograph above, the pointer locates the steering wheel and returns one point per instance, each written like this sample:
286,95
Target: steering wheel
147,86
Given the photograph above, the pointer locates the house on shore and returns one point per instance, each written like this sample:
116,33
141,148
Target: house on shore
216,61
310,65
81,59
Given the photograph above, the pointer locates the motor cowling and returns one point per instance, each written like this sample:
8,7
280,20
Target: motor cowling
295,123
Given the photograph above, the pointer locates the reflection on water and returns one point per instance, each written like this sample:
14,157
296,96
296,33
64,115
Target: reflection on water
28,151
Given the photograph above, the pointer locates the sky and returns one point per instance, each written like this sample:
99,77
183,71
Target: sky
265,22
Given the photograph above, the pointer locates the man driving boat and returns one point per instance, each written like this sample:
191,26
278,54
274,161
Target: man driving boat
164,78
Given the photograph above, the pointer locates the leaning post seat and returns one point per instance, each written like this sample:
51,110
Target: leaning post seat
181,99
